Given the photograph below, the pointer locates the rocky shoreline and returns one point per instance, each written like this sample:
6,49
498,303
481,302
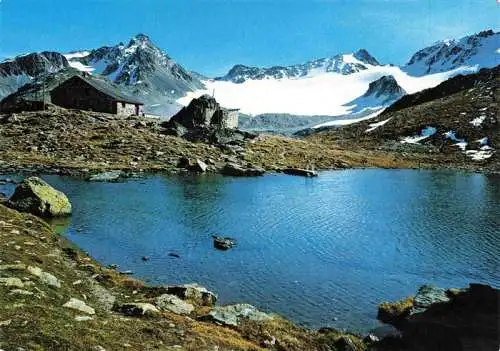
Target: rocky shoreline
82,143
90,307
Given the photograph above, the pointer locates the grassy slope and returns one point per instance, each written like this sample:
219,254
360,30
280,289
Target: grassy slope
450,106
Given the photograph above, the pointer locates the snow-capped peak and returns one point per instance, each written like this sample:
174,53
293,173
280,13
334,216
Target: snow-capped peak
479,50
342,63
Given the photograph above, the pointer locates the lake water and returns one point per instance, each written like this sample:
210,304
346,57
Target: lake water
321,252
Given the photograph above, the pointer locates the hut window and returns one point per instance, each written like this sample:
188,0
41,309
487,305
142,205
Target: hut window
123,105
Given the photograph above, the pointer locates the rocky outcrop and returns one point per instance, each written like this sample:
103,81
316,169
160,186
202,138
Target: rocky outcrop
451,319
37,197
192,292
204,112
233,314
138,309
173,304
235,170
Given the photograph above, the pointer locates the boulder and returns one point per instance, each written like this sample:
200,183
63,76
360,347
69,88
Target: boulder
232,314
37,197
222,243
138,309
235,170
193,165
193,292
426,296
173,304
456,320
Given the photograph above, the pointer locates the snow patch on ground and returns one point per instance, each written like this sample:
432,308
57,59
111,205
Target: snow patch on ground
374,126
73,55
344,122
424,134
461,143
483,141
476,122
81,67
479,155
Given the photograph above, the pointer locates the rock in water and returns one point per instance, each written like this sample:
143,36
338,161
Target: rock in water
223,243
37,197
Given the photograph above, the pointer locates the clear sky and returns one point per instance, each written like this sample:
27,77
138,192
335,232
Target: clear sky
210,36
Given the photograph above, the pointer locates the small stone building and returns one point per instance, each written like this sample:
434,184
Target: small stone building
94,94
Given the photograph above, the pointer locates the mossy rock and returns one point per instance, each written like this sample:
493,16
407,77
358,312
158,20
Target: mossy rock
37,197
395,313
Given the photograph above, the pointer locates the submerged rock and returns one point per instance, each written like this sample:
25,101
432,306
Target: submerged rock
232,314
37,197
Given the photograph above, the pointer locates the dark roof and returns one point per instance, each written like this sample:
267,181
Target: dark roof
108,88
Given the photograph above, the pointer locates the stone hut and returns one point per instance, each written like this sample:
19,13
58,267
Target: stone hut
94,94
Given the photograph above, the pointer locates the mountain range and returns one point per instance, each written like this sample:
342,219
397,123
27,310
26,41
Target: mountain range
346,86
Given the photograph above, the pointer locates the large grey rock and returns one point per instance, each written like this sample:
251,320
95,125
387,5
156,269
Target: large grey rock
79,305
35,196
426,296
173,304
45,278
232,314
193,292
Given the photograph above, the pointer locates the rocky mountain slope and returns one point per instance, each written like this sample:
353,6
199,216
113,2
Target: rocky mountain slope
143,70
458,119
23,69
480,50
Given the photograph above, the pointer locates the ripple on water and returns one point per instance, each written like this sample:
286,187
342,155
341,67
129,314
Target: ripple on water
323,251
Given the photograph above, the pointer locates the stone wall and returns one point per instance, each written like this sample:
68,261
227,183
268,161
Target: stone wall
126,109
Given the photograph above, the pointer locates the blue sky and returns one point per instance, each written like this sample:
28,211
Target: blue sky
210,36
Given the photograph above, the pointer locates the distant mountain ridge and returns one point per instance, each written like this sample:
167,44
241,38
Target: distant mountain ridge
22,69
144,70
481,49
342,63
341,86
